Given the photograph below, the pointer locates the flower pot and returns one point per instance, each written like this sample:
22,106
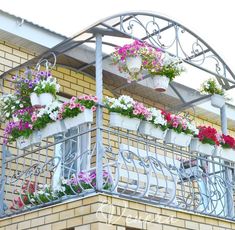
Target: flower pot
46,99
36,137
23,143
227,154
179,139
199,147
85,117
217,100
159,83
118,120
134,64
51,129
149,129
34,99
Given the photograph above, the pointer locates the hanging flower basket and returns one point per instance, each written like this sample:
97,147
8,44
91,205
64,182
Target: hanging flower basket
179,139
199,147
23,143
120,121
217,100
34,99
51,129
46,99
85,117
149,129
227,154
159,83
134,63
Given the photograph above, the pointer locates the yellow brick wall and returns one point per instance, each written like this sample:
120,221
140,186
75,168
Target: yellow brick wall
102,212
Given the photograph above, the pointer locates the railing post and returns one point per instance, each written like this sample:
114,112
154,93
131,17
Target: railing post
228,172
2,181
99,113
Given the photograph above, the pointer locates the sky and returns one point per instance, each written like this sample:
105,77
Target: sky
212,20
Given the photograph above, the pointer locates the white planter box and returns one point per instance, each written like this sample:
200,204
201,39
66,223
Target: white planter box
199,147
227,154
51,129
46,99
217,100
134,64
149,129
34,99
118,120
180,139
82,118
23,143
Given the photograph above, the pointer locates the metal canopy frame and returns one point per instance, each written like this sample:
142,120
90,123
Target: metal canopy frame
159,31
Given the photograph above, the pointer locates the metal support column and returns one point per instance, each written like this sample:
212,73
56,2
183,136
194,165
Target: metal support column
223,117
99,113
2,181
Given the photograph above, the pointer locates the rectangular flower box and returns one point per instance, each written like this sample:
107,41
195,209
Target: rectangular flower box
199,147
51,129
179,139
120,121
149,129
23,143
85,117
227,154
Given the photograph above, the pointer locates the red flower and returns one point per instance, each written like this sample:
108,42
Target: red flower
228,141
208,135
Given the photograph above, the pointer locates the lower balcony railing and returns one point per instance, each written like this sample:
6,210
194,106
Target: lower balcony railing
126,164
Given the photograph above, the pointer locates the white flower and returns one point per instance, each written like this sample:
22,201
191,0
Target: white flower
7,115
40,192
32,200
21,105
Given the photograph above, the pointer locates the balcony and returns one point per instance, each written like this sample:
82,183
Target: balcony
127,164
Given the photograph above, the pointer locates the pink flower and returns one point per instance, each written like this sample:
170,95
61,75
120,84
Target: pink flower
60,117
95,99
86,97
72,105
73,99
93,108
34,117
175,124
82,108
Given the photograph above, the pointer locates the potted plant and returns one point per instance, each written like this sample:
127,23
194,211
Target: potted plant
154,125
125,112
19,131
211,87
162,74
32,193
77,111
205,141
45,120
24,86
9,104
227,151
135,57
83,182
180,130
46,89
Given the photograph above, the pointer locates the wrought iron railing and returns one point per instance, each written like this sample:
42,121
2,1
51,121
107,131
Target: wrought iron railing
131,165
